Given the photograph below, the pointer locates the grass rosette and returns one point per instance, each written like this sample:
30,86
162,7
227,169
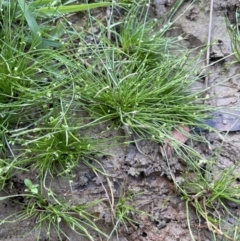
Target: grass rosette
142,81
149,103
57,151
140,39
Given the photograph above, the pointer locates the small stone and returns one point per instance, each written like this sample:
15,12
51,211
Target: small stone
224,122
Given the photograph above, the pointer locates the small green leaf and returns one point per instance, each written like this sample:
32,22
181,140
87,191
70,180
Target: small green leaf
28,183
34,190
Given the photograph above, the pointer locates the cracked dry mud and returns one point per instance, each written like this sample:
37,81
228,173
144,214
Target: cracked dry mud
147,172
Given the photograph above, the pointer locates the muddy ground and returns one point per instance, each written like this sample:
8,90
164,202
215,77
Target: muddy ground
147,172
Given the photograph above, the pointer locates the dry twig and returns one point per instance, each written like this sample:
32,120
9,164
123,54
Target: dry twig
208,44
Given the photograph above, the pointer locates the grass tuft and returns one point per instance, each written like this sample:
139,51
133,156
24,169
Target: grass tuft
50,213
211,194
147,102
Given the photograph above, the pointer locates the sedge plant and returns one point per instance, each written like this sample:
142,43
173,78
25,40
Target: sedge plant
50,213
211,194
126,210
141,84
139,37
58,151
147,103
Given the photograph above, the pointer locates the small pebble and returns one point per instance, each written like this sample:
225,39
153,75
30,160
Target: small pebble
224,122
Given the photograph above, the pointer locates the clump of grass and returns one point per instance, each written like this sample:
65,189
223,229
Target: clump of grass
50,213
37,93
125,210
58,151
139,38
55,143
148,91
148,103
210,194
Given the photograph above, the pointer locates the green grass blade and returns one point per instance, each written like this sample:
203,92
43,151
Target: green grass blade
17,195
173,10
38,3
34,28
49,11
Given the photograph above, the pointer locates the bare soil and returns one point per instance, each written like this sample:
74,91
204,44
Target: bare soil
147,172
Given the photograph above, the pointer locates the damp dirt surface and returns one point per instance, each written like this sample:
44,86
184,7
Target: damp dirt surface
141,169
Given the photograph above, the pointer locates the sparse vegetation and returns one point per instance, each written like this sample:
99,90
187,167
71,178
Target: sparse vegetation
209,194
57,84
50,212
